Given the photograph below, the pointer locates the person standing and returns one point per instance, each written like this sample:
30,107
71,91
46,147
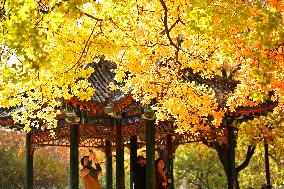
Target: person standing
162,181
88,173
140,173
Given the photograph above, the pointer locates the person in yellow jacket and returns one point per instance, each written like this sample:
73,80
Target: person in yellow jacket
88,173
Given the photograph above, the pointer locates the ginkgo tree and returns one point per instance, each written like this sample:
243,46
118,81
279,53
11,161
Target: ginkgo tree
158,46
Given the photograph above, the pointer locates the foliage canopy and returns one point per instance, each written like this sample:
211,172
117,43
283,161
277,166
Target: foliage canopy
157,45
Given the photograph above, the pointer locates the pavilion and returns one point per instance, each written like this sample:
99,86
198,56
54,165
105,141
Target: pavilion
112,121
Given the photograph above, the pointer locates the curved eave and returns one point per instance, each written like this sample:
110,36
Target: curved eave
263,108
123,104
6,122
85,105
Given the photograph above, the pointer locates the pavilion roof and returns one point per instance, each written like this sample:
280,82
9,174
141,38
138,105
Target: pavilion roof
117,101
100,80
218,83
104,97
7,112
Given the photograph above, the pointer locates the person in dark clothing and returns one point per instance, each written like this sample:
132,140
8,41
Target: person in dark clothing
162,180
140,173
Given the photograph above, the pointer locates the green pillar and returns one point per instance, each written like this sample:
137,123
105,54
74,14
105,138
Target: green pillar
133,160
170,150
29,163
119,156
108,165
267,170
231,157
150,154
74,156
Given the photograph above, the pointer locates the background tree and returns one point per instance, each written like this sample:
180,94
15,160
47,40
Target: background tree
222,151
265,129
197,166
250,134
50,169
254,174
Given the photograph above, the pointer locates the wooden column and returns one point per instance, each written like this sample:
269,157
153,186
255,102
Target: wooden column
29,163
74,156
231,155
108,154
170,150
133,160
150,154
120,184
267,170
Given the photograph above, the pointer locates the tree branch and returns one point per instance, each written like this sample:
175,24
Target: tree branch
3,5
166,24
38,22
174,24
232,73
84,50
91,16
279,162
155,44
250,152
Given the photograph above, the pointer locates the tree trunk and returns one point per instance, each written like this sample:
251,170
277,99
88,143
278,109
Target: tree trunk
222,154
222,151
